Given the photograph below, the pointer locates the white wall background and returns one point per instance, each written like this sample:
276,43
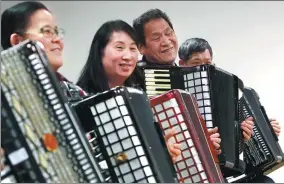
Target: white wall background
247,38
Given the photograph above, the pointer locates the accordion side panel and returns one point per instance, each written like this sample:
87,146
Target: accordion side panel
198,121
126,134
214,91
262,150
47,126
196,163
224,86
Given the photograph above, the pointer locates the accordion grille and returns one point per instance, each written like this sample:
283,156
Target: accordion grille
188,166
256,151
120,139
197,84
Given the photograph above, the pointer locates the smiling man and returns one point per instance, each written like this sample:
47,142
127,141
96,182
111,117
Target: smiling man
157,39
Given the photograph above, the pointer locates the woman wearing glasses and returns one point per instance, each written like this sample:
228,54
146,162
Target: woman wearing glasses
32,20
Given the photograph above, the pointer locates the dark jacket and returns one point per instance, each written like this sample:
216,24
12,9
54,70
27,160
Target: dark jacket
144,62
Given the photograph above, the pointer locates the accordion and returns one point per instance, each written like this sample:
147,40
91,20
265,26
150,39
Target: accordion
262,152
198,162
216,92
42,139
125,138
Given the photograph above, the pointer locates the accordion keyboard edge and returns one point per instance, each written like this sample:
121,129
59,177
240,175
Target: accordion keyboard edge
198,161
54,150
126,139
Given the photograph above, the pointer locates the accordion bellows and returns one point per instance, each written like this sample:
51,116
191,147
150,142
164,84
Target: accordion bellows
42,138
198,162
125,138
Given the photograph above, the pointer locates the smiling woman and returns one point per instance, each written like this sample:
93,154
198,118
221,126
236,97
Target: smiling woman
32,20
112,58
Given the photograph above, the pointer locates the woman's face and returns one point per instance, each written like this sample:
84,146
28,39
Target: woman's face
120,57
42,28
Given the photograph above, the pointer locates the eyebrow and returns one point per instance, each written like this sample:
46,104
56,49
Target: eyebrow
158,33
121,42
195,58
169,29
49,26
155,34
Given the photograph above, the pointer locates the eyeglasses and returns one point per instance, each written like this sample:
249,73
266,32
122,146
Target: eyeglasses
48,32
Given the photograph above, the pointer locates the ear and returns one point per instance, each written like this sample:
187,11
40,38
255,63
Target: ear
15,39
141,49
181,63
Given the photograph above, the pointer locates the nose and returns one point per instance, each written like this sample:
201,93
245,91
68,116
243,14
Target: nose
57,38
127,55
166,41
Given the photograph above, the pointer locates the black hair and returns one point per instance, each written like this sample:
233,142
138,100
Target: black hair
93,78
191,46
139,23
16,20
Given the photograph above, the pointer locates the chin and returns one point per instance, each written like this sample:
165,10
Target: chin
124,75
168,61
56,64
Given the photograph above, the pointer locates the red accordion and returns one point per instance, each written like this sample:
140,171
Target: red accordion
198,162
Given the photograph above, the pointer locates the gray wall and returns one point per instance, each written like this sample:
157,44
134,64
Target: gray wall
247,38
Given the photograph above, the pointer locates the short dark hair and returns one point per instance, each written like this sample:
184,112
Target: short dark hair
16,19
93,78
191,46
139,23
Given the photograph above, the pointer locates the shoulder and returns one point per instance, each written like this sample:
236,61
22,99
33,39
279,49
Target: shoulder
70,90
141,63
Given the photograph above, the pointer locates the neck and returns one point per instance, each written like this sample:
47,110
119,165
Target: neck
152,60
114,83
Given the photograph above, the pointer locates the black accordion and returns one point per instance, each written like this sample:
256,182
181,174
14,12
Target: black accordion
262,152
198,162
40,135
125,138
217,94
